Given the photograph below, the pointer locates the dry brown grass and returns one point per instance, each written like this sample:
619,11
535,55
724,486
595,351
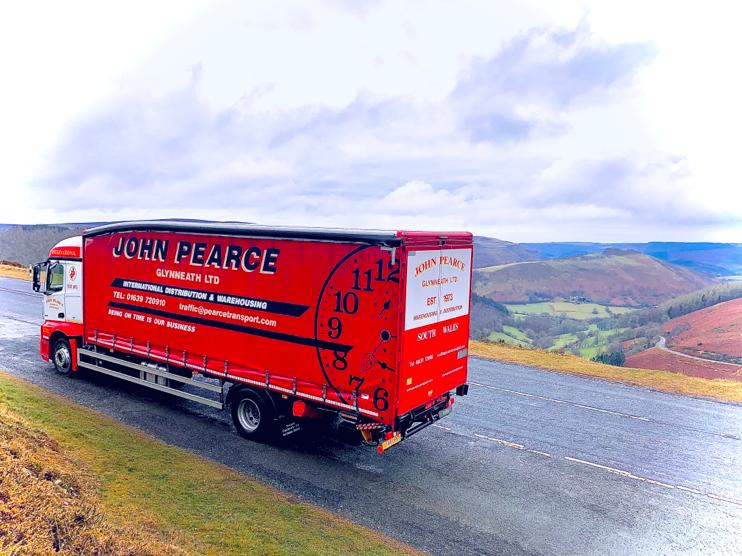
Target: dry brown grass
121,491
49,501
665,381
12,270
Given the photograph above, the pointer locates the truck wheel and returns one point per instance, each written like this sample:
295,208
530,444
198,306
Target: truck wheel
62,357
252,417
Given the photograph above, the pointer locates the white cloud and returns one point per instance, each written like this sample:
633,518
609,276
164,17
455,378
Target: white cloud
531,126
418,197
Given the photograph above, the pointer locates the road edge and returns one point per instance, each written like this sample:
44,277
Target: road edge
723,390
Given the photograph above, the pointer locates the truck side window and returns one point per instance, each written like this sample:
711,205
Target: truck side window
55,278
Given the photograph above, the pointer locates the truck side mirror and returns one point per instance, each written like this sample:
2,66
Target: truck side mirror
36,273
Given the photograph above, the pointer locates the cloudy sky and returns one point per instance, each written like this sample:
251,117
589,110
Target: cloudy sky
528,121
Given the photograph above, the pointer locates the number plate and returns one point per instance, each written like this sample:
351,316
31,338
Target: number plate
391,442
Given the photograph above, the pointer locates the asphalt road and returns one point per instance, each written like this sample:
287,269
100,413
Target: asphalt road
531,462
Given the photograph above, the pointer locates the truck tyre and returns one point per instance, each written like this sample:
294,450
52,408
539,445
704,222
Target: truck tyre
252,417
62,356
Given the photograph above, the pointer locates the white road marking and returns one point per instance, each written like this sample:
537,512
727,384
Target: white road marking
539,452
630,475
615,471
501,441
601,410
693,490
723,498
658,483
555,400
457,433
609,469
21,292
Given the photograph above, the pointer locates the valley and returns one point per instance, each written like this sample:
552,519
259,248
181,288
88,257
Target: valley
613,305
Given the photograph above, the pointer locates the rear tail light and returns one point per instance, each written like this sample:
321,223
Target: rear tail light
301,409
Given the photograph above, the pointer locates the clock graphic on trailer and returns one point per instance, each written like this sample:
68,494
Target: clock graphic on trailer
357,311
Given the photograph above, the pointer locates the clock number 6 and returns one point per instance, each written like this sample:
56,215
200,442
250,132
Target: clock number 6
381,401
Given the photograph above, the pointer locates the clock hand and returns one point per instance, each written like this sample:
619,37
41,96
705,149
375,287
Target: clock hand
385,366
387,305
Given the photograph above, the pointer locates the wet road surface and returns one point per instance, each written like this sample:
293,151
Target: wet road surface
531,462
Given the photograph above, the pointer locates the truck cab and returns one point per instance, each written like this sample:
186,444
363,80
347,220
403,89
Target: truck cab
59,279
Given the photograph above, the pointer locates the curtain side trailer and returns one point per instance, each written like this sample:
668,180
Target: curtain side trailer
367,330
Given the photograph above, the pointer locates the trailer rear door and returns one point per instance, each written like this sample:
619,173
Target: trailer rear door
435,327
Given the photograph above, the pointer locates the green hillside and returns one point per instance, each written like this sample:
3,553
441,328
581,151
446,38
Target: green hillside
613,278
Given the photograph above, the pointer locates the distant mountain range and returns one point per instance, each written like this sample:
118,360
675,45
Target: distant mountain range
612,277
30,243
716,259
489,251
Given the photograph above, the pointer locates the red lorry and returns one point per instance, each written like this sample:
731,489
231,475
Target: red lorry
367,330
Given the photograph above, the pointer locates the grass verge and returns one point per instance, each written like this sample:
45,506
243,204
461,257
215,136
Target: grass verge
664,381
84,483
14,271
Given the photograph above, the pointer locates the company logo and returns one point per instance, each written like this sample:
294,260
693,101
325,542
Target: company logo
65,252
199,253
446,260
73,274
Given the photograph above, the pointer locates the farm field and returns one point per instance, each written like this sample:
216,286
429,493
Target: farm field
716,329
655,358
577,311
563,340
510,335
598,341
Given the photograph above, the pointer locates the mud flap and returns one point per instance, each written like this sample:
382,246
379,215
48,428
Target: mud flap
288,426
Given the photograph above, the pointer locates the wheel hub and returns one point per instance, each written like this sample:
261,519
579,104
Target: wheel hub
62,357
248,413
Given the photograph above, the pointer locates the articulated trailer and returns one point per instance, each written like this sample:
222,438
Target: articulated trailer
366,330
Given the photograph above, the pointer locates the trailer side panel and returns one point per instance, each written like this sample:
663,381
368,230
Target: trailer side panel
312,317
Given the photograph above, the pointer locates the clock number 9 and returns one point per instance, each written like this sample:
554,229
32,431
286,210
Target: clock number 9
336,328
